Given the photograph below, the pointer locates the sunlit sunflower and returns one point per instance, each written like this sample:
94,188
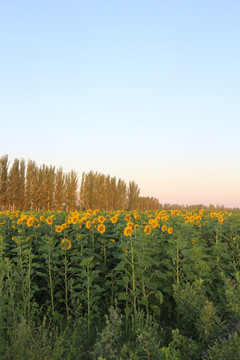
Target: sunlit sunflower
49,221
147,230
88,224
154,223
128,231
101,228
101,219
74,220
164,228
30,222
136,216
59,229
170,230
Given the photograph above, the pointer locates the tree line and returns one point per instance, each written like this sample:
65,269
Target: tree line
26,186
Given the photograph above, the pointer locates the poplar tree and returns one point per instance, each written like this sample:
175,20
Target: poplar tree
101,196
31,183
122,195
50,178
107,191
88,190
60,189
3,181
13,185
112,193
71,190
21,190
40,191
133,195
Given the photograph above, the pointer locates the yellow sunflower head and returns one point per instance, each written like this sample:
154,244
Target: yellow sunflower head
128,231
49,221
147,230
101,228
170,230
30,222
164,228
58,228
88,224
74,220
101,219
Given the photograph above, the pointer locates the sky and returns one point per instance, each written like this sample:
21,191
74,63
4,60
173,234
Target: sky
142,90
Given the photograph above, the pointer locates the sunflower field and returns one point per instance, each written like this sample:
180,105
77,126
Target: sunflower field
120,285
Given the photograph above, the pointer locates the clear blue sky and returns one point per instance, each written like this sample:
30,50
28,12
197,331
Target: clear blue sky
141,90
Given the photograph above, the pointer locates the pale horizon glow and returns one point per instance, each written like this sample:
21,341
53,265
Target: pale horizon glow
144,91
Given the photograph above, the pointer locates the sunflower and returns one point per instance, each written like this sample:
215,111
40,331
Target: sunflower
128,231
164,228
66,244
49,221
59,229
74,220
88,224
147,230
114,219
69,220
170,230
136,216
101,228
30,222
154,223
101,219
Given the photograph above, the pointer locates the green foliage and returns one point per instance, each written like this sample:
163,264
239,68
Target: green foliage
224,349
177,292
109,340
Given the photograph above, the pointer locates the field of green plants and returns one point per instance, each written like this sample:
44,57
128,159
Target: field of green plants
95,285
